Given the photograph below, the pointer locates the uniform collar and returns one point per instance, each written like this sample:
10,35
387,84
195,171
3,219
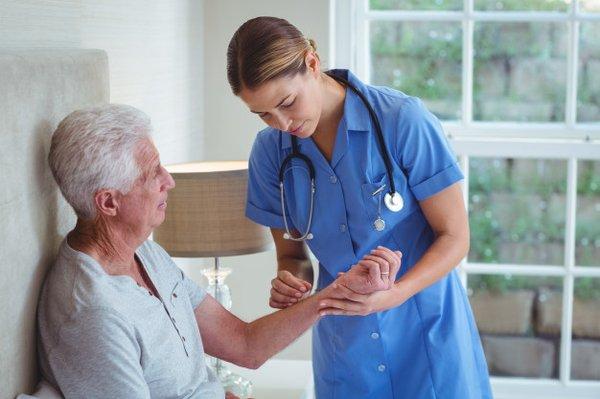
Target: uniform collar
356,116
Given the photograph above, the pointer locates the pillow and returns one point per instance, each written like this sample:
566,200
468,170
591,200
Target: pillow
44,390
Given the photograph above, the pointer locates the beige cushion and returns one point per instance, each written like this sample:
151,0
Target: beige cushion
38,88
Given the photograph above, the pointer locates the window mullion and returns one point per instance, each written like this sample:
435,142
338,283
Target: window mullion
567,306
363,56
515,269
520,16
464,165
468,64
586,271
572,69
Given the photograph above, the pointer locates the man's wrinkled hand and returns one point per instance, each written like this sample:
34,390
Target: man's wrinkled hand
376,271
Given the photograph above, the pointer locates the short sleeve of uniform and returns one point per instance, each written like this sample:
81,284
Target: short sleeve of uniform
423,151
263,203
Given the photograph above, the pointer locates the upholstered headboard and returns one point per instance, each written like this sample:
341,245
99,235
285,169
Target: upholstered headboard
37,89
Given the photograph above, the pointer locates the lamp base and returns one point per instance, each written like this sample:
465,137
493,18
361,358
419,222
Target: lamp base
232,382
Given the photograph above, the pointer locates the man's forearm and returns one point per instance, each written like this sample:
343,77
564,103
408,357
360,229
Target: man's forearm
270,334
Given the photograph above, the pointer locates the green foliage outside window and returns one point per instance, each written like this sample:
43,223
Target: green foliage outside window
419,59
489,229
480,5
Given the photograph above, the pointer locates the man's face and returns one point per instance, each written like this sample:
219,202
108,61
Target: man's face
143,208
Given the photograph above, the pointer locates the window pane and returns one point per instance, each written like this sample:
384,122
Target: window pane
519,321
585,355
521,5
420,5
587,225
420,59
588,101
520,71
589,5
517,211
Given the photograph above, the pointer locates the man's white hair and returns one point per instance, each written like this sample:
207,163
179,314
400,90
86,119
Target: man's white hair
94,149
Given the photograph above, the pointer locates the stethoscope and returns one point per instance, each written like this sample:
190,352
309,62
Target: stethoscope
392,199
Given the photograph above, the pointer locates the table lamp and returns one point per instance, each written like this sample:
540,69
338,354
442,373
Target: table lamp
205,217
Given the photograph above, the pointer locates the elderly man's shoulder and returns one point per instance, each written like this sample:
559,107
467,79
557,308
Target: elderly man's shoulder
76,284
153,248
157,261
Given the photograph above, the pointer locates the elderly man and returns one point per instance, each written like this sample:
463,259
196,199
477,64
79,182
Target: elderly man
117,318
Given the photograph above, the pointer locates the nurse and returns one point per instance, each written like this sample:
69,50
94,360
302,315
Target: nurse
417,340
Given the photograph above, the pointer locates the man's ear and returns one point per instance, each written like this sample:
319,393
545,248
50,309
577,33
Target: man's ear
107,202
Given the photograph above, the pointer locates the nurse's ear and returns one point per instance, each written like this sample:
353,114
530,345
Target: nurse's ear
313,63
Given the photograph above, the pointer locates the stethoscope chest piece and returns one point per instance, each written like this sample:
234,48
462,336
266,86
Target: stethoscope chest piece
394,202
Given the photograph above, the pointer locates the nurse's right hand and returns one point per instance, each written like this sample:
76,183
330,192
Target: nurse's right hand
287,289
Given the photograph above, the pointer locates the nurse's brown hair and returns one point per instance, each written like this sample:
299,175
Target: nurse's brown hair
265,48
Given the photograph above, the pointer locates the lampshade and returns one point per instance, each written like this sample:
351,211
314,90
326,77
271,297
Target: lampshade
205,212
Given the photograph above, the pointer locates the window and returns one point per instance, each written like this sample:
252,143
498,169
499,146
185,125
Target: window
516,84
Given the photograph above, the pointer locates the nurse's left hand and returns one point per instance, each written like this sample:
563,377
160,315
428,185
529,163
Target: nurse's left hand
376,271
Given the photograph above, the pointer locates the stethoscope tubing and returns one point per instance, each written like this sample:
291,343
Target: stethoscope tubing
296,154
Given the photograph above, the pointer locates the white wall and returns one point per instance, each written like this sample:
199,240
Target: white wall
229,126
230,130
154,48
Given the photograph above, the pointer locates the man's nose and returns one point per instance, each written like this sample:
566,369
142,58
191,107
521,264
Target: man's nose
170,183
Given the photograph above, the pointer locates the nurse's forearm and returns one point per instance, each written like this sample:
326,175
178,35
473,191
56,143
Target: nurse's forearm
442,256
301,268
270,334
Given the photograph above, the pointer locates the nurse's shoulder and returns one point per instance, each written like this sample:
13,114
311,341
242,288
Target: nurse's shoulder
268,137
399,105
266,148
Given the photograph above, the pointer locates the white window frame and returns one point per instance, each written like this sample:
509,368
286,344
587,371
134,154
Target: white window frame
570,141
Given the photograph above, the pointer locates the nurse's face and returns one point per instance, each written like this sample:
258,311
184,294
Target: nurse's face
291,104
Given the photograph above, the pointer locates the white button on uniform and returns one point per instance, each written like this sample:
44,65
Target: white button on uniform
342,228
381,368
333,179
374,335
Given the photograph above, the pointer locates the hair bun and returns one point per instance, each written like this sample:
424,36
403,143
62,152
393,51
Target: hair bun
312,44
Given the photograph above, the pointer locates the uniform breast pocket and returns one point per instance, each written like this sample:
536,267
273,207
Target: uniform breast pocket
372,196
374,200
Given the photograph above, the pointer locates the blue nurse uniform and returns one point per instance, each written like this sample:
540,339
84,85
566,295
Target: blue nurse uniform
429,346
